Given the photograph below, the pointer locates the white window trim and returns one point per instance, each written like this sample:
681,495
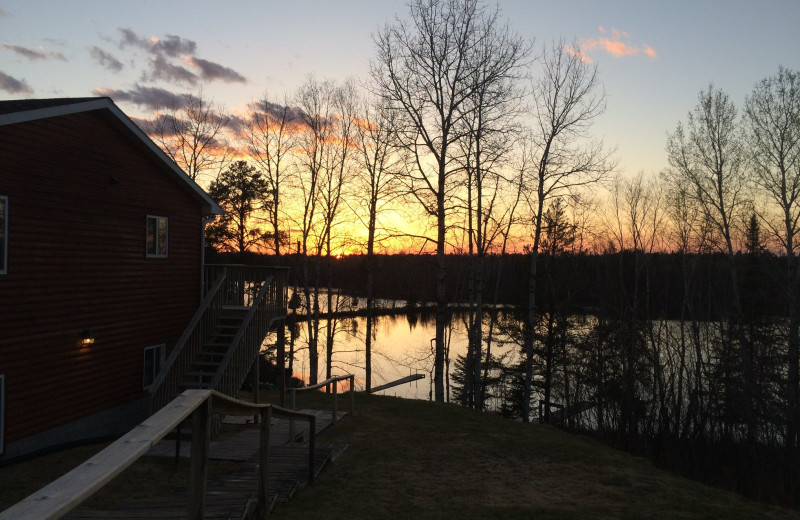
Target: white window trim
161,350
157,218
4,258
2,413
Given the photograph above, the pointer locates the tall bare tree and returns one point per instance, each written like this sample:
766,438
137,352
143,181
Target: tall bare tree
377,180
562,155
488,136
316,101
426,70
192,133
337,174
772,117
269,135
707,154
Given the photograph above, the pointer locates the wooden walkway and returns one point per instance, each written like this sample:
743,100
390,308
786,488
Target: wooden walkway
233,495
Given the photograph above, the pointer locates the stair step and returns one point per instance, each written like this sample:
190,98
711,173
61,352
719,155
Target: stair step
212,353
192,386
199,364
200,374
212,347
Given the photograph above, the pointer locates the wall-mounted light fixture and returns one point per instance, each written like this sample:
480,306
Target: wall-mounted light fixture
86,338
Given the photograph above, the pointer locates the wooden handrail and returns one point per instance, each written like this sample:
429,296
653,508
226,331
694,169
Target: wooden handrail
401,381
190,328
240,333
325,383
67,492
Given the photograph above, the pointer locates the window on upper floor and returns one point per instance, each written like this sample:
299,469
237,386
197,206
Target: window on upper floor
153,361
157,236
3,234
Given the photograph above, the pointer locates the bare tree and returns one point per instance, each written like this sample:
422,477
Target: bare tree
269,135
193,135
772,117
707,154
336,175
316,101
426,70
377,180
567,99
488,136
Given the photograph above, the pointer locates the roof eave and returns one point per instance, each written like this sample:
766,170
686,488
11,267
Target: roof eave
209,206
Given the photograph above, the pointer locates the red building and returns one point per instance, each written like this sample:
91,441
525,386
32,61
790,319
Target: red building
101,266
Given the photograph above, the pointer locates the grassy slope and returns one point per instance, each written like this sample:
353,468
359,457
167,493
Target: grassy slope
411,459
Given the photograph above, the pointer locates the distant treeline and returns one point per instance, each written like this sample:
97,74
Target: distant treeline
590,283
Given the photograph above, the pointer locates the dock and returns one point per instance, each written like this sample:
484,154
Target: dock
234,494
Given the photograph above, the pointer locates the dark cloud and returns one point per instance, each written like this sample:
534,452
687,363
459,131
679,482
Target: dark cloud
276,111
3,13
33,54
214,71
149,97
175,46
236,123
105,59
161,69
171,45
129,38
14,85
162,124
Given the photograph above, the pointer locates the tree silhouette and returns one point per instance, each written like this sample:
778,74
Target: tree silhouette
241,192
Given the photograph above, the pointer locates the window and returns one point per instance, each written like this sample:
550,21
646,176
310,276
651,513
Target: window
2,412
3,234
153,361
157,236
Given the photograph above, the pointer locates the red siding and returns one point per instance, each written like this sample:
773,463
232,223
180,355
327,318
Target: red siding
79,190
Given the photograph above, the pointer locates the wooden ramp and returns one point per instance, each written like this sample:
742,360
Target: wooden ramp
233,495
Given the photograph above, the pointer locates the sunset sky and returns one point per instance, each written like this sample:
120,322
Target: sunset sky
653,56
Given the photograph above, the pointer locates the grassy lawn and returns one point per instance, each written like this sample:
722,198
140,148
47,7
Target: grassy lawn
412,459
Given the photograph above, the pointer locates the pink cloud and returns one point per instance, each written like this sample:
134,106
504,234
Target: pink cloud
579,53
618,45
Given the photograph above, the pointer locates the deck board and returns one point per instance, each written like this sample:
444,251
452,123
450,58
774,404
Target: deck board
228,495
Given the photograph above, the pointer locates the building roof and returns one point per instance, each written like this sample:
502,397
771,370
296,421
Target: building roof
24,110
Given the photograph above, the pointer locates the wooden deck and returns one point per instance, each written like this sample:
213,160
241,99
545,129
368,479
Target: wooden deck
233,495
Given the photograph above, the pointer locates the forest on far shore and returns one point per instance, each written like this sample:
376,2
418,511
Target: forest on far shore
582,283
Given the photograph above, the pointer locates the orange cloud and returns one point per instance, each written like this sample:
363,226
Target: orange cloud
579,53
617,46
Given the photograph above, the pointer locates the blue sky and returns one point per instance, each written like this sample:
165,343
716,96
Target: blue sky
653,56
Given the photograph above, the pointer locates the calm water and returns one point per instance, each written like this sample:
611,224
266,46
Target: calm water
402,345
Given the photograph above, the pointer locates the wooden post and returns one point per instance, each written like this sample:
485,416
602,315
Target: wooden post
334,413
198,475
312,435
254,382
282,362
263,469
352,395
291,421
